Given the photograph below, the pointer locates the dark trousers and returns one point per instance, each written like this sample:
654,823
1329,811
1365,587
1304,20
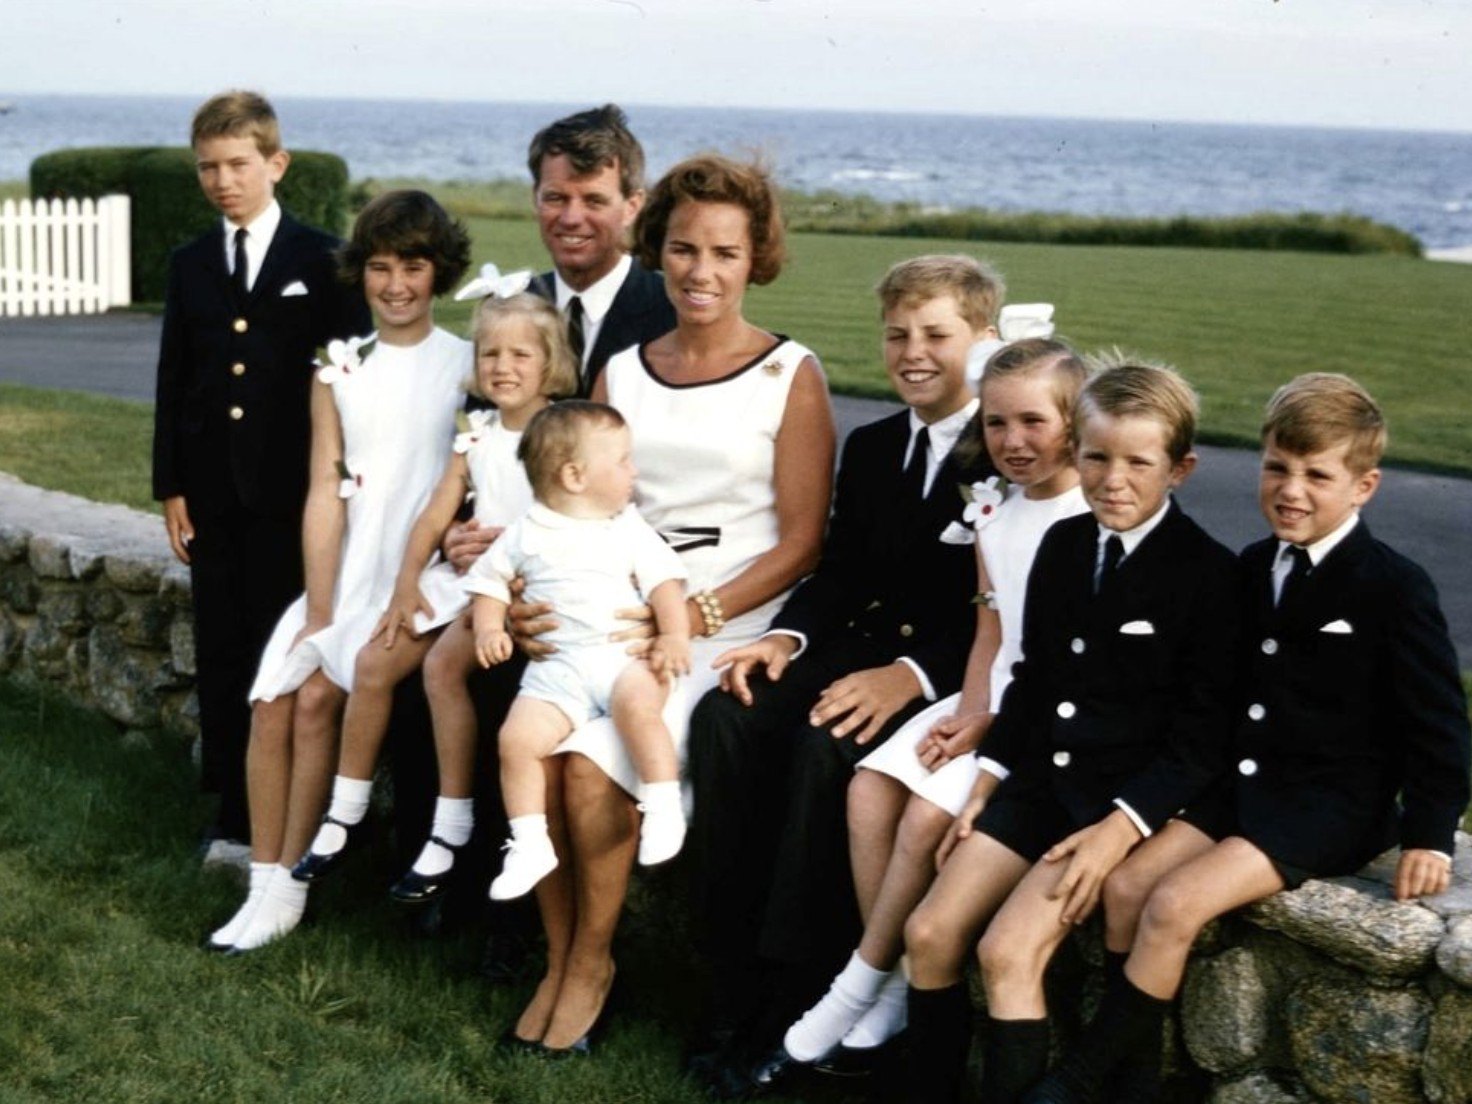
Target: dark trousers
245,569
769,836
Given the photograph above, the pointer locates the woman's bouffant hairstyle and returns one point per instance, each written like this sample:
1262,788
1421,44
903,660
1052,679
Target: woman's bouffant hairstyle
554,437
559,373
1066,371
406,223
711,178
1128,388
1321,410
977,286
238,114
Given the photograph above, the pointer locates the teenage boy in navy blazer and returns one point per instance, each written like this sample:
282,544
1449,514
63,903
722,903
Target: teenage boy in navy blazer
881,628
1351,697
1118,715
248,304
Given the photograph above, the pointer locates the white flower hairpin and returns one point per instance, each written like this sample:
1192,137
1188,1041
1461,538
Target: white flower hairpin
472,426
490,282
1016,322
343,358
983,500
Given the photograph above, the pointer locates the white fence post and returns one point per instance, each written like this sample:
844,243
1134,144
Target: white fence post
64,257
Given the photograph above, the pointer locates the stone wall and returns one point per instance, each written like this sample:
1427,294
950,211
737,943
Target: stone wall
1333,993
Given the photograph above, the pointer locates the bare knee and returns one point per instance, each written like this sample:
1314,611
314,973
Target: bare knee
371,670
1125,892
444,673
930,940
921,829
317,703
1171,912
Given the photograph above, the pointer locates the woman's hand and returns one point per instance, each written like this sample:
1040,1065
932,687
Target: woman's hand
1093,852
464,543
640,633
952,737
528,620
772,653
402,608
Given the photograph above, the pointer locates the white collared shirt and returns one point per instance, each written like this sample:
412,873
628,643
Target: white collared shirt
943,437
597,301
1283,561
258,234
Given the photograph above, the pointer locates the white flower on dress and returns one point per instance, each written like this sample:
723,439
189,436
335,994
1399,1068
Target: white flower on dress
490,282
472,429
342,358
983,500
347,483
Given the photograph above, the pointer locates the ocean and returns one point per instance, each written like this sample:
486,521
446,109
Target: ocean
1418,181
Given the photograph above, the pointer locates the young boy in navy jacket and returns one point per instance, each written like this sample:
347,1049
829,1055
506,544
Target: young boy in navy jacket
1351,697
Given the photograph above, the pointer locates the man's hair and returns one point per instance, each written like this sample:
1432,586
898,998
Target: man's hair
977,287
1321,410
560,373
1127,388
238,114
591,140
711,178
555,435
409,224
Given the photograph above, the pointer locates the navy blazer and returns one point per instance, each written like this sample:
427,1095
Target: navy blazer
640,312
885,573
1352,696
1127,694
233,401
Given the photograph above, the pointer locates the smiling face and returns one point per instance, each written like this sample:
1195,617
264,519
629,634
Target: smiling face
1306,496
236,177
606,462
1027,436
584,220
925,347
706,259
1125,470
511,367
400,293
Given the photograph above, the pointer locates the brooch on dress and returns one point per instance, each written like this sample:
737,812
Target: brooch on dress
772,367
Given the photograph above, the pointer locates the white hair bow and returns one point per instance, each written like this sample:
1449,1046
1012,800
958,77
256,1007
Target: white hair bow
1016,322
490,282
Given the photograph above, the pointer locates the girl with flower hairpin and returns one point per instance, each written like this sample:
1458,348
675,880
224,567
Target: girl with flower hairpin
522,362
382,410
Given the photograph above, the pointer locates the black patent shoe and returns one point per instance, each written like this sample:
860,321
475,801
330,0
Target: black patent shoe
417,889
511,1043
313,866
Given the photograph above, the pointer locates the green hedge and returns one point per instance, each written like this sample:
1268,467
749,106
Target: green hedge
168,207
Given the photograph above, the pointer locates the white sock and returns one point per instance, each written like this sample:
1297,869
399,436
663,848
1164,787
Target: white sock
454,820
660,795
529,827
823,1026
260,875
280,910
886,1019
349,805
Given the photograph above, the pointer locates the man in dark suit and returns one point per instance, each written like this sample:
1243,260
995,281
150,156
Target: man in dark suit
882,627
247,306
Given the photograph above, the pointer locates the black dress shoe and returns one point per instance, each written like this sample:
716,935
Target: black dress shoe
512,1043
312,866
416,889
761,1078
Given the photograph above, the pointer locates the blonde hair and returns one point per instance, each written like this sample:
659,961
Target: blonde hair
555,436
1320,410
977,286
238,114
559,371
1031,356
1126,388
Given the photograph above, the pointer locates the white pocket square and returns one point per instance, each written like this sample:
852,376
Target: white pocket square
1137,628
1340,627
296,287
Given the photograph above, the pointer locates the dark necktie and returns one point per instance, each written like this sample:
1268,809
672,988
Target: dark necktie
1302,565
1113,553
575,332
914,477
238,275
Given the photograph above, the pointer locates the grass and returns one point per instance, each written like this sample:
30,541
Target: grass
106,998
89,445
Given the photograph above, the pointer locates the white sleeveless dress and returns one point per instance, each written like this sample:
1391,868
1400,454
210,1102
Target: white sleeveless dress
398,418
1008,544
502,494
706,455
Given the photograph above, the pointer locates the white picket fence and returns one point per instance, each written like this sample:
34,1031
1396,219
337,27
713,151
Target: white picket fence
64,256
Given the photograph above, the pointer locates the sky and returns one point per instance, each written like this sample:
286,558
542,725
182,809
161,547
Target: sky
1380,63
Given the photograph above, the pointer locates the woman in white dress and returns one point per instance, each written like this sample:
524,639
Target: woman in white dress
733,440
383,415
906,794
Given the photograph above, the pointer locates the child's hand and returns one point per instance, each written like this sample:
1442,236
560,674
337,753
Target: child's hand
1093,852
400,615
492,646
772,652
951,737
669,656
960,828
1421,873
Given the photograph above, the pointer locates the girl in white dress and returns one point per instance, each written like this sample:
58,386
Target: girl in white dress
383,413
522,362
905,795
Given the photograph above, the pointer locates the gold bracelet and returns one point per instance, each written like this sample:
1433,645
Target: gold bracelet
711,612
